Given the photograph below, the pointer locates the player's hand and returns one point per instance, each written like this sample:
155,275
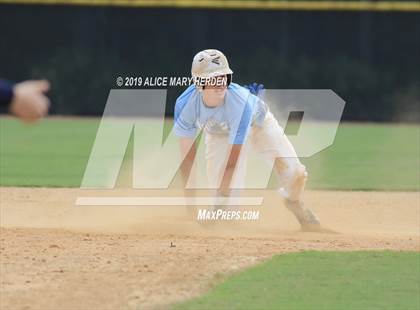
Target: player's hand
190,207
221,199
223,192
29,102
255,88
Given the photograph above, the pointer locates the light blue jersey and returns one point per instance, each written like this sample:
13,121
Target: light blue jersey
240,110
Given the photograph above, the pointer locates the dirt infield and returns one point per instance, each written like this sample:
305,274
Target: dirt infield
58,256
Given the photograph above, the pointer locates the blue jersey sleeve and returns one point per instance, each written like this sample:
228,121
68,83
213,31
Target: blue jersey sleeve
6,92
185,114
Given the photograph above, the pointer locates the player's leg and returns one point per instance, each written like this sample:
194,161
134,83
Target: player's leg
273,144
294,175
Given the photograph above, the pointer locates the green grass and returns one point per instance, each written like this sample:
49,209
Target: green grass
51,153
321,280
368,157
363,156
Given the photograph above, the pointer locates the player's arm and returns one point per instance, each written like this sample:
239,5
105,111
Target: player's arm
184,128
239,130
188,152
27,99
224,189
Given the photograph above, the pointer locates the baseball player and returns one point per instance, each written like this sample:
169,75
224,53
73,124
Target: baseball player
234,120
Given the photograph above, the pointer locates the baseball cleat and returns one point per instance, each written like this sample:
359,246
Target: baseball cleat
306,218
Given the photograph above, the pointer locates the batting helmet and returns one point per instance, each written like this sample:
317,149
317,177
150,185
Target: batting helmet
210,63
